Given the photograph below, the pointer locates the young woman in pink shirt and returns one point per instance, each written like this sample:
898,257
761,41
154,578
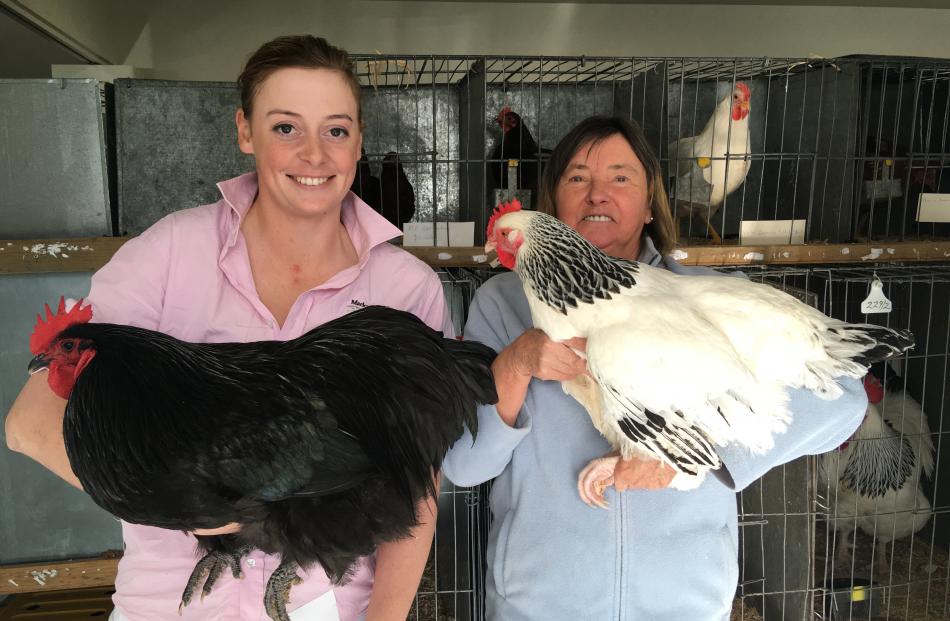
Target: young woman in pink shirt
285,249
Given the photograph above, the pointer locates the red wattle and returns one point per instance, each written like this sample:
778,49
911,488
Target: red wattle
874,389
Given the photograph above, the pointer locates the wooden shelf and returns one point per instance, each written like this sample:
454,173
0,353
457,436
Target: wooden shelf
58,575
86,254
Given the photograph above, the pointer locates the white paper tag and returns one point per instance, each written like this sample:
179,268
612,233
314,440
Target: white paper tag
876,302
321,609
768,232
933,208
445,234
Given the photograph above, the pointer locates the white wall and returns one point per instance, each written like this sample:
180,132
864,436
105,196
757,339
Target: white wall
103,30
210,39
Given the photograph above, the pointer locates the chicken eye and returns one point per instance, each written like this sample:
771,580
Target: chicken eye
67,345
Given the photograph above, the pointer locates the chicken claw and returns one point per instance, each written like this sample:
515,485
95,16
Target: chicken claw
209,569
277,593
594,480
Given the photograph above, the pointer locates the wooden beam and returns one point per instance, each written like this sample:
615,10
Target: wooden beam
803,254
78,254
57,576
86,254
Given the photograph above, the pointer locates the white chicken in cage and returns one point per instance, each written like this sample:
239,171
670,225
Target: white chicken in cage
710,166
873,481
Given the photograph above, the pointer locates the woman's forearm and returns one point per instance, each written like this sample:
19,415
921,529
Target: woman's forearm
399,566
511,386
34,427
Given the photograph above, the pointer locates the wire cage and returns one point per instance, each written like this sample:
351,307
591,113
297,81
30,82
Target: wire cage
848,145
795,527
812,546
452,587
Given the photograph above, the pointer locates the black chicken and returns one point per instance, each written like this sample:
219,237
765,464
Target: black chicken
516,143
390,194
398,199
365,184
320,447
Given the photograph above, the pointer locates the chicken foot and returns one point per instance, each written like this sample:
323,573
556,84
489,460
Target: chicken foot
277,593
209,569
595,478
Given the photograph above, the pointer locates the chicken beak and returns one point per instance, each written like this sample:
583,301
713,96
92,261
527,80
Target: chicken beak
39,363
490,245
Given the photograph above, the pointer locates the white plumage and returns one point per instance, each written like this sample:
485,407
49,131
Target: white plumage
873,481
700,161
680,364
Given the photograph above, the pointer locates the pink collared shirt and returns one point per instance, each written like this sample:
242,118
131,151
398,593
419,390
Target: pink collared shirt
189,276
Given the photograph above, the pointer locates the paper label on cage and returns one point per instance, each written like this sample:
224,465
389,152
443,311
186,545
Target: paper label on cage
755,232
446,234
876,302
933,208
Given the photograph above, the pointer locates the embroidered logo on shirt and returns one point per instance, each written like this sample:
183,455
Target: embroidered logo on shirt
355,304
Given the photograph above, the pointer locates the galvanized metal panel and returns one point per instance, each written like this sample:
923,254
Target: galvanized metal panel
41,517
53,178
421,124
174,142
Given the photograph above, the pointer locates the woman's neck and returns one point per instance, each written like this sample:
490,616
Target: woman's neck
320,240
289,255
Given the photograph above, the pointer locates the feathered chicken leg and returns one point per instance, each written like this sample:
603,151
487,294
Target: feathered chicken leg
209,569
277,593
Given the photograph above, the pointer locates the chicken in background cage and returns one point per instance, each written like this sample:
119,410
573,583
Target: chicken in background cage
757,150
861,532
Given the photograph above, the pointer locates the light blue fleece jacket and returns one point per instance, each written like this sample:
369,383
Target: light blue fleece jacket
661,555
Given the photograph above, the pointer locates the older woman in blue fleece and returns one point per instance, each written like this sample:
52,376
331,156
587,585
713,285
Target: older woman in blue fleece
657,554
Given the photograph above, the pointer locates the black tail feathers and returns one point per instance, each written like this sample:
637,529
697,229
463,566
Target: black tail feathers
882,343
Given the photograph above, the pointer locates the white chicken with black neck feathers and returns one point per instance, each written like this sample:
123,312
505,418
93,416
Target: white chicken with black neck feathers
874,480
677,364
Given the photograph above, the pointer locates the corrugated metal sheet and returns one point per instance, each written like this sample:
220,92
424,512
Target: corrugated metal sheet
53,173
174,142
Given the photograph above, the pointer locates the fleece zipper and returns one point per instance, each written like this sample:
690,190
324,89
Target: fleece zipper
621,519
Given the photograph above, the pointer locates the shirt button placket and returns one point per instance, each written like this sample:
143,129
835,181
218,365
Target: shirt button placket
251,588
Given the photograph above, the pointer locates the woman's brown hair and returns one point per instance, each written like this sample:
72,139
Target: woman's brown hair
300,51
590,132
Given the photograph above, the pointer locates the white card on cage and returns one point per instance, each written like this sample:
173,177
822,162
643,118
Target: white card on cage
441,234
876,302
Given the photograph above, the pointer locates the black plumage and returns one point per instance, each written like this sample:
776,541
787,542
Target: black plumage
398,199
391,193
320,447
517,143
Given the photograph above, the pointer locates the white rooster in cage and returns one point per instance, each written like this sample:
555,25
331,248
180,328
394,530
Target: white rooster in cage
740,343
710,166
873,480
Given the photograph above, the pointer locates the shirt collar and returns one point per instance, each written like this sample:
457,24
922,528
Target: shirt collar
365,226
648,252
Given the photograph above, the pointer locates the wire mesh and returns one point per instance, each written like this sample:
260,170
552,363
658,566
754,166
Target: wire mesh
848,145
812,547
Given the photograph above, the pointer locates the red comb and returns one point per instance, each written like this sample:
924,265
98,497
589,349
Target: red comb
873,388
500,210
742,86
46,331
